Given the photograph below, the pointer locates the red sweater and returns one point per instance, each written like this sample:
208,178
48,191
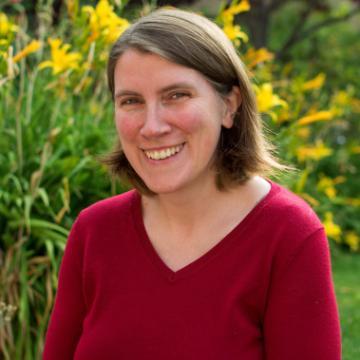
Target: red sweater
264,292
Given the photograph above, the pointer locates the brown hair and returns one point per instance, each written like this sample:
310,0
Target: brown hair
193,41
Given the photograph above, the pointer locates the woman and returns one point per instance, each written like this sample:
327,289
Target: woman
206,259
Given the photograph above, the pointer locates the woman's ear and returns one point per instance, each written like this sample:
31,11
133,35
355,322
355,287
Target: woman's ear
232,101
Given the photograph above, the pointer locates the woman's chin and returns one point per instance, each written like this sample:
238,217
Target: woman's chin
165,188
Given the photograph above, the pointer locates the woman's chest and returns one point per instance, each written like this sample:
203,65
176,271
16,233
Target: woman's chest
136,311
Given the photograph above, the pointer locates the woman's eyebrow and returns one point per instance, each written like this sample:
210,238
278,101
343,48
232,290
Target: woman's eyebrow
125,92
177,85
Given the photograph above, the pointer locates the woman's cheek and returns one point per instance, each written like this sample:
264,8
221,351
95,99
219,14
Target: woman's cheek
126,127
190,121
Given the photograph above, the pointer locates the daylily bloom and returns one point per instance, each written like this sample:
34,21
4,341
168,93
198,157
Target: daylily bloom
226,18
353,240
72,7
254,57
355,105
267,100
303,132
341,98
235,8
332,230
327,185
61,59
355,149
104,22
31,48
318,116
352,201
316,152
235,34
6,27
315,83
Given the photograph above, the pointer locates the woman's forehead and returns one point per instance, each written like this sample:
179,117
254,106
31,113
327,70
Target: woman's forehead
135,67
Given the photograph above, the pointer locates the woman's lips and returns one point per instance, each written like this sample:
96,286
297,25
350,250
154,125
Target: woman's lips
164,152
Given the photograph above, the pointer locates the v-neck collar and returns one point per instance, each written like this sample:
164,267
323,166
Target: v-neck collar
212,253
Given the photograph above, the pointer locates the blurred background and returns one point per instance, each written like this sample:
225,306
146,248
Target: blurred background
56,119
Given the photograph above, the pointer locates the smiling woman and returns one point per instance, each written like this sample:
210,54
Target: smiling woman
206,258
197,44
169,126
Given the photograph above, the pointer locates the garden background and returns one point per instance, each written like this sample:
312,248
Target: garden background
56,119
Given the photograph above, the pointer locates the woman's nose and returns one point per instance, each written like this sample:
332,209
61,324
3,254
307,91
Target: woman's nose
155,123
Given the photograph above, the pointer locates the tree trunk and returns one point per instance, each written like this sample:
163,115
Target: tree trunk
257,22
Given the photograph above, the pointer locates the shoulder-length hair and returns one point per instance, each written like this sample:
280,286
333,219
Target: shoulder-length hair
192,40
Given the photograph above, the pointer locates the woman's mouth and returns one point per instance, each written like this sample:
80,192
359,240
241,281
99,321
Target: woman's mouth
163,153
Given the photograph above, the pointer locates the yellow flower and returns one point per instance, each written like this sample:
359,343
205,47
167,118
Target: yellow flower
332,230
352,239
266,99
318,116
242,6
316,152
226,18
342,102
6,27
327,185
61,59
355,149
254,57
72,7
104,22
352,202
31,48
355,104
3,54
234,33
235,8
342,98
315,83
283,115
303,132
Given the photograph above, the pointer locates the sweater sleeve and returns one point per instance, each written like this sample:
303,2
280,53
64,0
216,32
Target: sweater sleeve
65,325
301,319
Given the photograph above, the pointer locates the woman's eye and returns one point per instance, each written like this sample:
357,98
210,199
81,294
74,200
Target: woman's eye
129,101
178,95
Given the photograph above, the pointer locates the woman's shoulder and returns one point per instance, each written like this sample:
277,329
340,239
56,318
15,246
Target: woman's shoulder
292,231
287,209
113,208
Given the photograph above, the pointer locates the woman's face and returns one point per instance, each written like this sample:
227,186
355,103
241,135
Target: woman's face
169,119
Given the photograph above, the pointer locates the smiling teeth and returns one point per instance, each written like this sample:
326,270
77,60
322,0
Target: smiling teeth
163,154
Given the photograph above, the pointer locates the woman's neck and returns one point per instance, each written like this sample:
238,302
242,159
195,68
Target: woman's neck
186,207
186,210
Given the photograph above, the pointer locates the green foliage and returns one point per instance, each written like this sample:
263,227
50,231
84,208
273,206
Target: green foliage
346,276
52,130
56,118
48,174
